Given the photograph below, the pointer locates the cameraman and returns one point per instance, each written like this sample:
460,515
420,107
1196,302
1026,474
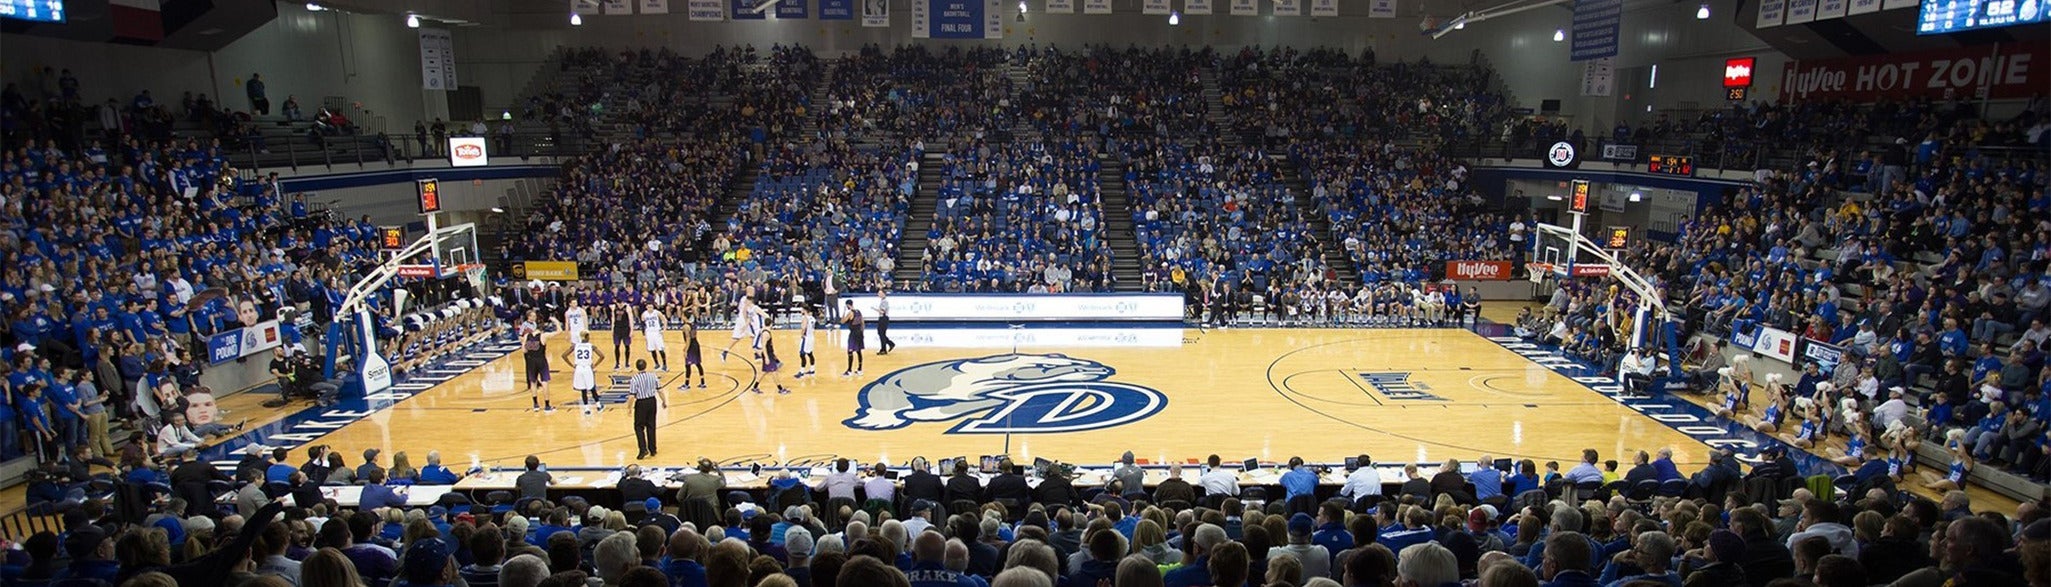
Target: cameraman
307,370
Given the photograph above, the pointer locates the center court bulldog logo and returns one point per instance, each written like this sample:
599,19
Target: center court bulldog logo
1007,393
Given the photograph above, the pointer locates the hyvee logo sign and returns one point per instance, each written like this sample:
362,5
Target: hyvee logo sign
1478,270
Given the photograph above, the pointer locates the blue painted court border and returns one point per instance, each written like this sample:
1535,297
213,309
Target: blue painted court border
1683,416
312,421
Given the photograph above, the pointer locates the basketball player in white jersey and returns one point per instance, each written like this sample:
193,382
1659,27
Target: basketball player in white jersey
746,326
575,320
806,364
583,357
651,328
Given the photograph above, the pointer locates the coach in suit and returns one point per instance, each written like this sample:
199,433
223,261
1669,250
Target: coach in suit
1008,484
922,484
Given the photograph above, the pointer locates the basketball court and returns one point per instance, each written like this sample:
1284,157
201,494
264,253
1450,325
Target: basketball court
1073,395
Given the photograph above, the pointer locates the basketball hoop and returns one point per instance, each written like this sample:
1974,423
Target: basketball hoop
1538,271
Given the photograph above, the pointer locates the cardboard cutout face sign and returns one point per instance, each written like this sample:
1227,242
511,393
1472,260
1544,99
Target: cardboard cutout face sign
201,408
245,312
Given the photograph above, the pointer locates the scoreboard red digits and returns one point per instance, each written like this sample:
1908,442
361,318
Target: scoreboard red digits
1671,164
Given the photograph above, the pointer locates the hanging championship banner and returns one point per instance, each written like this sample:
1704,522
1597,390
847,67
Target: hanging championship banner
746,10
1324,7
876,13
1801,11
1154,7
1288,7
618,8
654,6
1381,9
922,19
1598,77
1863,7
836,9
1246,8
1196,7
706,9
1828,9
1771,13
437,60
587,7
1596,28
1894,4
993,19
1096,6
791,9
1060,6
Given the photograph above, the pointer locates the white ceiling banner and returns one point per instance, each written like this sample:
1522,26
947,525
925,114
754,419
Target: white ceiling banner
1288,7
703,10
922,19
1894,4
654,6
1246,8
1196,7
1155,7
1772,13
437,60
619,7
1801,11
1096,6
1381,9
1863,7
1829,9
875,13
1060,6
1324,7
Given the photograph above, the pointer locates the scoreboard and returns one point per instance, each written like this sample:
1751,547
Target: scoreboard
1671,164
34,10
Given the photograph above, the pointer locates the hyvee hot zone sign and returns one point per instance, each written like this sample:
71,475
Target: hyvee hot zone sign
2007,70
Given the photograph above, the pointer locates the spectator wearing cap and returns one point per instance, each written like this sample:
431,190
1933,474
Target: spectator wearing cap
369,464
427,564
1316,559
659,518
92,557
793,517
798,544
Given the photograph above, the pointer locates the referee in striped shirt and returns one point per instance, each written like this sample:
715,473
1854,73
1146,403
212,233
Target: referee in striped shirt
646,388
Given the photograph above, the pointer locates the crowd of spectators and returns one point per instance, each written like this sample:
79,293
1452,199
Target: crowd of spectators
1217,213
1150,92
1289,94
1487,523
823,207
914,92
1019,217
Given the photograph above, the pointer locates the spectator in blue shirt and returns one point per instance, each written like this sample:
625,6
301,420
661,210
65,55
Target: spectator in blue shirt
1586,471
1299,481
377,495
1488,482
